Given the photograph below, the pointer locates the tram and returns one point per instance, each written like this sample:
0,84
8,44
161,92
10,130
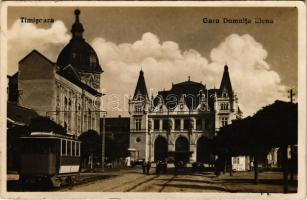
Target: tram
49,157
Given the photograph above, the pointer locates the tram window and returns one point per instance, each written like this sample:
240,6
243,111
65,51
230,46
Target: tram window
77,149
38,146
73,148
63,147
69,148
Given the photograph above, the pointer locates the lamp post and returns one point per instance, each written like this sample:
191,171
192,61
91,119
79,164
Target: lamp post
103,140
149,140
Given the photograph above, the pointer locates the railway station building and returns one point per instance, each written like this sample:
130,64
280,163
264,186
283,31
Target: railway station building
68,90
178,123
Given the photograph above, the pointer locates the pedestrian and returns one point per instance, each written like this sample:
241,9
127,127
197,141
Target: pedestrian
144,167
217,167
148,165
158,167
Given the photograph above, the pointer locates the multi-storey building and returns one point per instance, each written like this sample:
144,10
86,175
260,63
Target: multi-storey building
180,121
68,90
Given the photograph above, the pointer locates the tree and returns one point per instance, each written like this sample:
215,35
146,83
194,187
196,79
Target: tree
273,126
90,146
279,123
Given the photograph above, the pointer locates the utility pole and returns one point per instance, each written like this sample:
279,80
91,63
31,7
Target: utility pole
103,141
291,95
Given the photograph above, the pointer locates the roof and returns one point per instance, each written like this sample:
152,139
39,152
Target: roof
188,87
50,135
15,75
141,88
19,114
77,27
239,110
68,74
78,52
192,91
34,51
226,83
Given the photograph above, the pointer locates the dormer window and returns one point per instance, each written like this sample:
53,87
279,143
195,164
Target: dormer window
224,106
203,106
138,108
92,60
203,97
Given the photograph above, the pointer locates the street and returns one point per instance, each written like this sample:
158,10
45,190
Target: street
135,181
132,180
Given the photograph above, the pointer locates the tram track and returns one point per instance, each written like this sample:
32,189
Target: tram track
152,182
81,182
121,185
141,183
167,182
138,183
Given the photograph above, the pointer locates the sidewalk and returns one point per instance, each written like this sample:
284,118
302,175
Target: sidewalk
269,182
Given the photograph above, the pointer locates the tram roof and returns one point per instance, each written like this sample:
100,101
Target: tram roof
49,135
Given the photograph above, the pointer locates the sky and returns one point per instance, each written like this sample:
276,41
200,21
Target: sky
169,44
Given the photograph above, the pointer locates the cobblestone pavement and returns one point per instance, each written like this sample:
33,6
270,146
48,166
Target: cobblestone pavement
133,180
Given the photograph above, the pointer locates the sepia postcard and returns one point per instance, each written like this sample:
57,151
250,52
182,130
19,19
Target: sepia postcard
148,100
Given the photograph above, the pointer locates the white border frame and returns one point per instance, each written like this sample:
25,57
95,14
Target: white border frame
150,195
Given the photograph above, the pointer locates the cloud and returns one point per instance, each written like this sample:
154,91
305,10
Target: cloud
254,82
24,37
163,62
